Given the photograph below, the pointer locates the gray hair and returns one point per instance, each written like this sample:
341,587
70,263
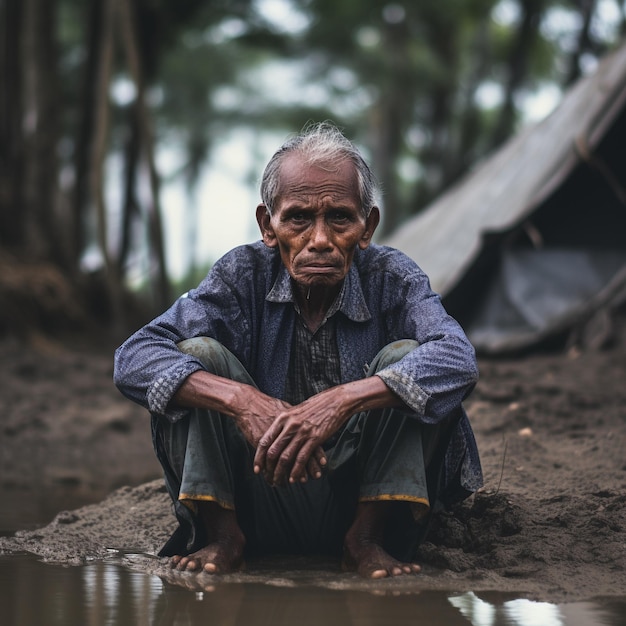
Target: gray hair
321,144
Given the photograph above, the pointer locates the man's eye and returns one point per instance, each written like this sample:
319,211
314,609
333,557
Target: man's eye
339,216
298,218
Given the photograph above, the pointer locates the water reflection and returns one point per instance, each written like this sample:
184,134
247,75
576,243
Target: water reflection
35,594
522,612
258,604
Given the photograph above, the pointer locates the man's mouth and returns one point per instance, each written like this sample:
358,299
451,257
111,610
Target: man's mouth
319,268
320,264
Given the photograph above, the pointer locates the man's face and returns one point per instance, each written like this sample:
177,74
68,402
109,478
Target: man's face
317,222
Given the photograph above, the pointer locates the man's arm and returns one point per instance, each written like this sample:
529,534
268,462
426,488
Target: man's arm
253,411
149,367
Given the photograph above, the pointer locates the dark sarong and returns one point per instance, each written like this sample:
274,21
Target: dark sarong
384,454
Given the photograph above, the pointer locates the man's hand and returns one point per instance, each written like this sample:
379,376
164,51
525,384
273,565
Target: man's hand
253,411
292,445
256,416
294,440
256,412
287,439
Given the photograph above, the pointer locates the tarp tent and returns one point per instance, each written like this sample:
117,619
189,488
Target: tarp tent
531,245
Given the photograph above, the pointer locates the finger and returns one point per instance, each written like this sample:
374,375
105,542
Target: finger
305,464
260,456
320,456
313,468
316,463
280,460
281,454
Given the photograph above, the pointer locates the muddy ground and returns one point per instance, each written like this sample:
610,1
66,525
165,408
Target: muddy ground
550,523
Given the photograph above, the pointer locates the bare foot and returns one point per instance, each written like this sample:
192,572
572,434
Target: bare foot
363,545
224,552
371,561
219,557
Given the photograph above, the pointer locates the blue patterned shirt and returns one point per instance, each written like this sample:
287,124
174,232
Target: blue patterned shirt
245,302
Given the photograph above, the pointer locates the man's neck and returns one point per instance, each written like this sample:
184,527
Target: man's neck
314,303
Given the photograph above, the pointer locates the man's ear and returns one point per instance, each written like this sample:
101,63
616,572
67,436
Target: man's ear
264,220
371,224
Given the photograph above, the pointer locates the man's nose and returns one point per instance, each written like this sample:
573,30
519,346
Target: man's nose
320,238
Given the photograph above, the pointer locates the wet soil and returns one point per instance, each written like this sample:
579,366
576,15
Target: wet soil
549,524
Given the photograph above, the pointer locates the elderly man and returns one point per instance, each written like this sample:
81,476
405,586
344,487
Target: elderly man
306,396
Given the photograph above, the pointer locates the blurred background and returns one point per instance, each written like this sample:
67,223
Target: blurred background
133,133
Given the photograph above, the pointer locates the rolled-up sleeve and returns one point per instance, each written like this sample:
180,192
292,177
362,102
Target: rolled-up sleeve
149,368
434,378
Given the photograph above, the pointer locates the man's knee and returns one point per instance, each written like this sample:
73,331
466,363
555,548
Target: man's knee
215,358
392,353
210,352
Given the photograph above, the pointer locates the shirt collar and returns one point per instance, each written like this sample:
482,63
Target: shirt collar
352,301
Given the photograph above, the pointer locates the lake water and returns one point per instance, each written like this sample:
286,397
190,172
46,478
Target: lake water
107,593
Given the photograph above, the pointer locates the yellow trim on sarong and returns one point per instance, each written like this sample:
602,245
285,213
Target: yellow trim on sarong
398,497
419,506
189,501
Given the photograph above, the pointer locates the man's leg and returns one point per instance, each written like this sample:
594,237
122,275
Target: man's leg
208,473
201,455
393,485
391,469
364,549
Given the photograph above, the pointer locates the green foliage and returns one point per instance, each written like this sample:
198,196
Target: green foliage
405,79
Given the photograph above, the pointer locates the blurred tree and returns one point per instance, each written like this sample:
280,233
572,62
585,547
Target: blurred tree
427,64
427,87
29,130
53,174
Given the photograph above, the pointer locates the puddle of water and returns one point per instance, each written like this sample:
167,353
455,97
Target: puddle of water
37,594
24,508
105,593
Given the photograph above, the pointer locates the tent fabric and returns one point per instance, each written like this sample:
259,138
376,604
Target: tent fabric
537,293
447,236
509,192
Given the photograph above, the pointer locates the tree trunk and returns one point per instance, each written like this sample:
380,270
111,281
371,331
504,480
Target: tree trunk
518,65
586,9
84,153
51,228
437,157
130,206
388,140
98,156
393,116
157,247
30,130
11,140
471,124
40,128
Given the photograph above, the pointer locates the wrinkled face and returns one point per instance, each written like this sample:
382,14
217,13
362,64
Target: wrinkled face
317,222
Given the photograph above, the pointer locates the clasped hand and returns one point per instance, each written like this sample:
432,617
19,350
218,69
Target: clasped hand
288,438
